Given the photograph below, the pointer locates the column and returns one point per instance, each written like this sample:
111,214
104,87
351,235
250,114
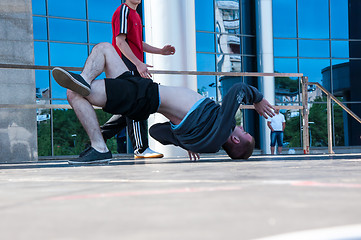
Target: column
171,22
18,133
265,63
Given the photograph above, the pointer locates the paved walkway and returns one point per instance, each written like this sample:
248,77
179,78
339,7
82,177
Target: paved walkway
215,198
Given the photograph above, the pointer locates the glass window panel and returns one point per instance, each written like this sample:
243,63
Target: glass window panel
313,19
102,10
285,48
41,53
234,44
249,45
224,62
67,30
227,16
355,83
205,62
284,18
68,134
309,48
39,7
339,49
228,43
340,77
227,82
204,16
250,65
39,28
313,69
354,128
340,125
205,42
343,88
339,19
57,92
43,115
67,8
292,133
318,123
62,54
71,55
355,49
338,61
236,63
286,88
44,132
100,32
285,65
248,17
61,101
42,83
207,86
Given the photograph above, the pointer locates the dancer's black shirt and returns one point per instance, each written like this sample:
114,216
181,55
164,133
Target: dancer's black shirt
208,127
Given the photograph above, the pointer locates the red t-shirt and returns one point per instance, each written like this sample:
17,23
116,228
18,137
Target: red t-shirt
127,21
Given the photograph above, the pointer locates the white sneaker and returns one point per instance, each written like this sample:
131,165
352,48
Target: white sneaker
148,153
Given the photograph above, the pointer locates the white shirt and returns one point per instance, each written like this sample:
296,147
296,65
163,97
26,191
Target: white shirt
276,122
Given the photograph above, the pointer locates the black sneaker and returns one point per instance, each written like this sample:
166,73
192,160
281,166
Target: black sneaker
92,156
87,149
71,81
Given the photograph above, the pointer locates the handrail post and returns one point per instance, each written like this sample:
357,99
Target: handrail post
306,138
329,125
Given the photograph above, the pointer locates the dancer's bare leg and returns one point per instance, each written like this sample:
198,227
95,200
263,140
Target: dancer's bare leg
86,114
103,58
87,117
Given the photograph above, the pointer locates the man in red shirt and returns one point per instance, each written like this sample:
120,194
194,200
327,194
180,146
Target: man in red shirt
128,42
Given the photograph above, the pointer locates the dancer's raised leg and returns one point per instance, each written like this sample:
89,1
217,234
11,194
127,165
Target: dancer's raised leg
103,58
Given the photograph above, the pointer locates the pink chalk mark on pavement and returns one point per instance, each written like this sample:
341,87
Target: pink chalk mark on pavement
144,193
321,184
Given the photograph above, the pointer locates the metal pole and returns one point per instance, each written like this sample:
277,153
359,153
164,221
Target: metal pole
329,125
306,139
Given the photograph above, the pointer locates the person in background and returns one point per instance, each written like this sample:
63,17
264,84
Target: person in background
128,42
277,124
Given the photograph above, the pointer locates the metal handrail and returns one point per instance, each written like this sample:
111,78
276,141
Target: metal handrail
67,106
343,106
233,74
329,118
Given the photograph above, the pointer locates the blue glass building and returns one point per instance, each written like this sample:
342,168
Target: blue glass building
320,39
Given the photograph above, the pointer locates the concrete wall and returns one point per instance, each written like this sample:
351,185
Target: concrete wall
18,132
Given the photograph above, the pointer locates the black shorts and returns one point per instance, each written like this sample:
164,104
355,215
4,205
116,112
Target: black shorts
131,96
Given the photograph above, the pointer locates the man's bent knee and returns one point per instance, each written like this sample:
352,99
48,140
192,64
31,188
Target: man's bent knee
71,95
103,47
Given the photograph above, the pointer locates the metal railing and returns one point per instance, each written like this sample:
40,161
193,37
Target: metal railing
304,107
233,74
329,110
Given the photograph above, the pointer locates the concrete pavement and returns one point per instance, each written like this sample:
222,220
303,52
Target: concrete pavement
214,198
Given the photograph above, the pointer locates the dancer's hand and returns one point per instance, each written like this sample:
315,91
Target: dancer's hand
193,156
264,108
143,70
168,50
